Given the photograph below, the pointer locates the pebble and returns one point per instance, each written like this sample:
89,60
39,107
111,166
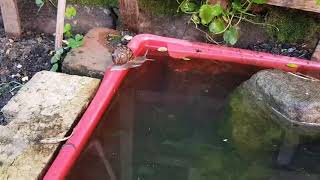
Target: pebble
127,38
19,66
26,78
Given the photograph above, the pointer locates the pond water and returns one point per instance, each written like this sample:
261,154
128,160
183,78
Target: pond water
171,120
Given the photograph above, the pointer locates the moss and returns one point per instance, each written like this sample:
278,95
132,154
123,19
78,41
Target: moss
104,3
159,7
294,27
253,132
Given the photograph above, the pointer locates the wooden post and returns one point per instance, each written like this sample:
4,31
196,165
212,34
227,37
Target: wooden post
307,5
60,23
10,16
129,10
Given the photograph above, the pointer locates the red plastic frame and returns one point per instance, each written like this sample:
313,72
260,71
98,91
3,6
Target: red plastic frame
176,49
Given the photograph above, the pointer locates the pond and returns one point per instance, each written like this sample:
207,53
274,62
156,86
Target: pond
172,120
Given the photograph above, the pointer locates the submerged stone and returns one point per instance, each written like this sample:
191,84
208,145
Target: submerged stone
271,107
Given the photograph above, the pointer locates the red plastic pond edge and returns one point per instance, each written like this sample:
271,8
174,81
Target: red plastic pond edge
178,49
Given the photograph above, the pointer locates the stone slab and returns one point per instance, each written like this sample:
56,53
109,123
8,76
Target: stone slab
93,58
45,107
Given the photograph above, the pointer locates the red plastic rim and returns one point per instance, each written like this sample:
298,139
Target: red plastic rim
176,49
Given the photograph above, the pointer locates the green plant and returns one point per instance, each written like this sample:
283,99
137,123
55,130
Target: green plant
219,20
72,41
57,58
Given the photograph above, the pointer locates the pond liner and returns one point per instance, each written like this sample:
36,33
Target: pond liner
177,49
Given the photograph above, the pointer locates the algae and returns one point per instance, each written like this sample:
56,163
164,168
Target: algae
255,135
294,27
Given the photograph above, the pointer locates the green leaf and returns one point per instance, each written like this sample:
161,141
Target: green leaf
217,26
67,28
78,37
187,6
70,12
318,2
68,34
60,51
259,1
56,58
207,12
54,68
39,3
292,65
72,43
217,10
231,36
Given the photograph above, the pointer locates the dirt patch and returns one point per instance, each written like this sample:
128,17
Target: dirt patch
292,50
20,59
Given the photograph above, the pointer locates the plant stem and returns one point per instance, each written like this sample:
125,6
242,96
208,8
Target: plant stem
263,24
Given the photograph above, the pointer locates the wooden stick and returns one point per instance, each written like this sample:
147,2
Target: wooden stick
60,23
11,18
307,5
129,10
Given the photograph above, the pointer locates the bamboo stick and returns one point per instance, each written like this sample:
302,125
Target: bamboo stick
60,23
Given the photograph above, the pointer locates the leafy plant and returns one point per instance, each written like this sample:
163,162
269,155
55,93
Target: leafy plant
39,3
57,58
75,42
71,12
219,20
72,41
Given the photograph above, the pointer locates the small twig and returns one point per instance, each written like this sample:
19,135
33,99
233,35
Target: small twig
239,20
19,86
229,24
55,140
52,4
263,24
303,76
209,38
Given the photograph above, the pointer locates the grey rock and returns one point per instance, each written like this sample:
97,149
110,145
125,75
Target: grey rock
45,107
274,96
292,100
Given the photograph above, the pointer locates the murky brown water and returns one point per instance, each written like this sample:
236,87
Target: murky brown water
167,123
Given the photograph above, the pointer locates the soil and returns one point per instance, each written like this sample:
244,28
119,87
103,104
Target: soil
291,50
20,59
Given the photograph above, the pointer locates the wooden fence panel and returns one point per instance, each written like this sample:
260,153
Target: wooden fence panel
307,5
10,16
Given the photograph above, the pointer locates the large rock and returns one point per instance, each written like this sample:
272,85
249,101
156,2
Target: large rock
47,106
273,103
93,58
295,99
